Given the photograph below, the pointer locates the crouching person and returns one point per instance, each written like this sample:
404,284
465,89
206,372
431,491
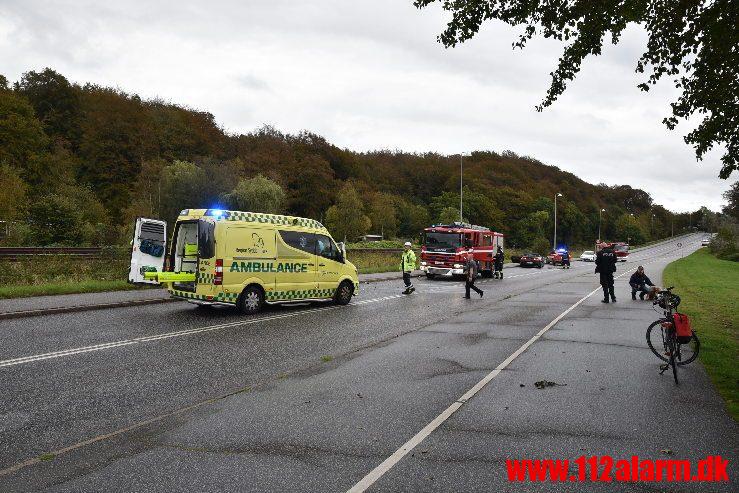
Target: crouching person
639,281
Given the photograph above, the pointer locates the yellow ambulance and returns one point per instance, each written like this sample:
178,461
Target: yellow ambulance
245,259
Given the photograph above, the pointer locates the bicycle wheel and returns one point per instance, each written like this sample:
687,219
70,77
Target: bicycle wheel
688,352
672,347
656,339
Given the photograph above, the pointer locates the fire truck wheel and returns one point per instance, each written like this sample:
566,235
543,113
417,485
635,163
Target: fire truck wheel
487,273
430,276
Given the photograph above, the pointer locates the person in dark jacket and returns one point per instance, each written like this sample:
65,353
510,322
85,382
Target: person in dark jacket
498,264
566,259
470,276
605,265
639,282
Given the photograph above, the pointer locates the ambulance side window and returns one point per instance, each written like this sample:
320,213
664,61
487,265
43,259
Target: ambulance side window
302,241
326,248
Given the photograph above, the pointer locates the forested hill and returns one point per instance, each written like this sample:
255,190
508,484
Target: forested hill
78,163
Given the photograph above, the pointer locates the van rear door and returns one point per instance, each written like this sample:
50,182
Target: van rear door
148,249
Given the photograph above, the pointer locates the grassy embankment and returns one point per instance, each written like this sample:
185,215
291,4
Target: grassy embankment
59,274
708,290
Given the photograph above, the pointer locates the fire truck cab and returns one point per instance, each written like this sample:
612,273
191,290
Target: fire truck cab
444,249
620,248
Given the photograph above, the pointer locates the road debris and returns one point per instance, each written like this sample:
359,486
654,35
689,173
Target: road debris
542,384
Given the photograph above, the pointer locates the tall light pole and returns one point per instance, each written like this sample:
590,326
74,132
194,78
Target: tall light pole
460,187
600,217
554,242
651,230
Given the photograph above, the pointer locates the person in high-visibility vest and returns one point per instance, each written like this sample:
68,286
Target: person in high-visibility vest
408,265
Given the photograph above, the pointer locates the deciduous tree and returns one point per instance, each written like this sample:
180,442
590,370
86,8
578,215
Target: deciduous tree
258,194
21,134
692,42
346,218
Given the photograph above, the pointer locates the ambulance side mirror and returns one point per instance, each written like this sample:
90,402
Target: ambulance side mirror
342,249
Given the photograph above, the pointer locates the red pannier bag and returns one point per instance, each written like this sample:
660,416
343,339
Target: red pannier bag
682,328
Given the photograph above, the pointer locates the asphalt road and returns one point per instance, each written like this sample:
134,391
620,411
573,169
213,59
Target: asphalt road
314,397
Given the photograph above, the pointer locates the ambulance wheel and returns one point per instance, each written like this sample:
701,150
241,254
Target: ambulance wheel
251,300
344,293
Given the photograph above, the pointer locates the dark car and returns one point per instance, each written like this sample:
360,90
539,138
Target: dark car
531,260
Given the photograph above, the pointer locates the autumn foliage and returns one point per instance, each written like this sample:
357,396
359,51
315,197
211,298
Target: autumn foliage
79,162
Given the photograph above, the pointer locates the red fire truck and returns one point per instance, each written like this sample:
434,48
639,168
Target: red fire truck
620,248
444,249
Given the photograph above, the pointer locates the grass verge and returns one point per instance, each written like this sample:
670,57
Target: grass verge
708,290
24,291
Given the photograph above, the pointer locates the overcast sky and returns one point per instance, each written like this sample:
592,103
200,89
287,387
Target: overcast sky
369,74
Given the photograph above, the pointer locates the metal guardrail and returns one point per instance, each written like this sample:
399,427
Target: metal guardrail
12,254
375,250
19,253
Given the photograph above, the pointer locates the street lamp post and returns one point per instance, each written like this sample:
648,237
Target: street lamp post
651,229
600,217
554,242
460,187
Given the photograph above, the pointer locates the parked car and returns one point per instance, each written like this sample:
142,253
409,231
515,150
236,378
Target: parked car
705,241
588,256
554,258
516,259
531,260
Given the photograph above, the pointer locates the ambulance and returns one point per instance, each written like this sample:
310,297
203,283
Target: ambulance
245,259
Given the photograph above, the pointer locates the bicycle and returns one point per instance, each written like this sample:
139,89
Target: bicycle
671,350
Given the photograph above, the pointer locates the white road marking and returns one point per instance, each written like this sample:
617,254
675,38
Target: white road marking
178,333
388,463
186,332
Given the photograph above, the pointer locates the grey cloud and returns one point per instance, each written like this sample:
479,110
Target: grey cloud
369,74
252,82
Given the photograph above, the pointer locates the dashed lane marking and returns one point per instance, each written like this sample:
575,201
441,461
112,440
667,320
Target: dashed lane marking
408,446
177,333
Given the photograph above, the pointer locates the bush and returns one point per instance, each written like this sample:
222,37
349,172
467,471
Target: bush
724,245
377,244
541,246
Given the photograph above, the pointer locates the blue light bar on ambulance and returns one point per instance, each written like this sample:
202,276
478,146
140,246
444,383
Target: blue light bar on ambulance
217,213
